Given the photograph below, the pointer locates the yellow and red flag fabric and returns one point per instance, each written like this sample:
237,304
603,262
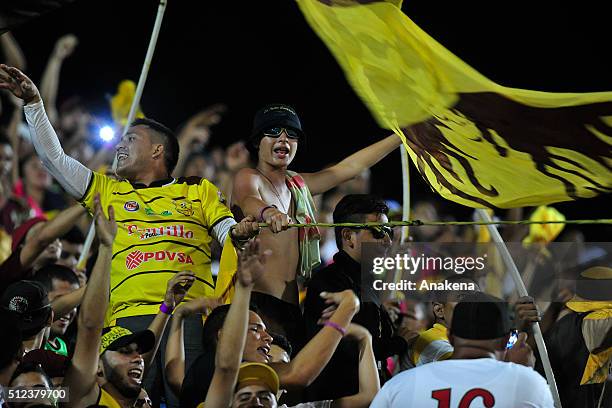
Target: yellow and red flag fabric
475,142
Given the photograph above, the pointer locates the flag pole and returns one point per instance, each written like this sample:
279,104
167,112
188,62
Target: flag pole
522,290
133,109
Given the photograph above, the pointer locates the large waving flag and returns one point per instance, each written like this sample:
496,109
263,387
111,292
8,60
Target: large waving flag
14,13
475,142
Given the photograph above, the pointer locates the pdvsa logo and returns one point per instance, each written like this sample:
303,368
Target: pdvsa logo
135,258
131,206
178,231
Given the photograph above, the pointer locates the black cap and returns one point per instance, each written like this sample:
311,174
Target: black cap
115,337
276,114
480,317
29,302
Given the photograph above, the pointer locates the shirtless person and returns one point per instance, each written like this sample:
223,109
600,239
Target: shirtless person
277,196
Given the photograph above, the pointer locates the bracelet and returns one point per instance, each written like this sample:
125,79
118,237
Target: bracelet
261,212
336,326
165,309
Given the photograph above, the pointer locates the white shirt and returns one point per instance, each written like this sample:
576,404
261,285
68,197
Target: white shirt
466,384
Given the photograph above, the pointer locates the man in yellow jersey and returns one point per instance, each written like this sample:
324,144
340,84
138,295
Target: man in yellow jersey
165,224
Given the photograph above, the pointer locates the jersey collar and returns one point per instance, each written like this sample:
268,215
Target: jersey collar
156,183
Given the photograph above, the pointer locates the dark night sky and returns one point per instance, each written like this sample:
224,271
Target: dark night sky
248,53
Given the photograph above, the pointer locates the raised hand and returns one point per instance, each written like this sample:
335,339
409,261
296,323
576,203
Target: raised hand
178,287
198,306
336,300
18,84
65,46
236,157
521,352
526,312
106,228
251,263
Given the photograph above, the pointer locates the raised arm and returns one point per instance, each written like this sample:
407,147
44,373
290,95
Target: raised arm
177,288
12,52
369,383
56,228
82,373
175,349
233,334
63,304
72,175
350,167
311,360
51,77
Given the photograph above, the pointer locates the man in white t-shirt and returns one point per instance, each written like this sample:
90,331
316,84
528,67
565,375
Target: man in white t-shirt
477,375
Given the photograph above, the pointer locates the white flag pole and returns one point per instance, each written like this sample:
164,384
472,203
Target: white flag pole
132,114
522,290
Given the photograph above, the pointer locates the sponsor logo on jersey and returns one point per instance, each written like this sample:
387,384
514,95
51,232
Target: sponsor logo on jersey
131,206
222,199
178,231
135,258
149,211
184,207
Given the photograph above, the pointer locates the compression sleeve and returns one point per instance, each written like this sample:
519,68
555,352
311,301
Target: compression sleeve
220,231
72,175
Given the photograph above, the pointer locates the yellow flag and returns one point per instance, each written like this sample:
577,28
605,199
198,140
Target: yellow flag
475,142
228,265
121,102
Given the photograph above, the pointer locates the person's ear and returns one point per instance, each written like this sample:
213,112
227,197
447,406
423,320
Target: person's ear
158,151
347,237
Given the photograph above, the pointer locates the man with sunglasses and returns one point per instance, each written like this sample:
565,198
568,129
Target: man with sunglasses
277,196
340,377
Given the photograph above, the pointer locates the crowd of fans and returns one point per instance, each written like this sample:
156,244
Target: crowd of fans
294,330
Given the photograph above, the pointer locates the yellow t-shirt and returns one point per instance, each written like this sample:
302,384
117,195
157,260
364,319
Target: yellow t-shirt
431,345
163,228
106,400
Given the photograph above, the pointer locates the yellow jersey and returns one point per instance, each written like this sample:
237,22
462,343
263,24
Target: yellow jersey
162,229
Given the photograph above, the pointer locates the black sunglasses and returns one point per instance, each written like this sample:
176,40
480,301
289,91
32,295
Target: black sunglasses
379,232
276,132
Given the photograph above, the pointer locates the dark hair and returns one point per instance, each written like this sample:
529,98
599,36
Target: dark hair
31,367
354,208
171,145
4,140
46,274
214,323
74,236
282,342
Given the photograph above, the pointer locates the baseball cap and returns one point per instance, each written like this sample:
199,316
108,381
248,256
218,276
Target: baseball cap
115,337
276,114
479,316
257,373
20,232
55,365
29,302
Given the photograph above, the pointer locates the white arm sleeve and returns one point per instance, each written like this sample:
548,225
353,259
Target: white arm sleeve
220,231
71,174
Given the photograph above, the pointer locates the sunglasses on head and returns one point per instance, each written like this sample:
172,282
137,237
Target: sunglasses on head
276,132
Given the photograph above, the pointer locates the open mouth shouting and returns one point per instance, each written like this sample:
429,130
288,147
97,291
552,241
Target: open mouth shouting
282,151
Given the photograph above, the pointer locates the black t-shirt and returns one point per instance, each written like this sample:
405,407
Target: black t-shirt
568,356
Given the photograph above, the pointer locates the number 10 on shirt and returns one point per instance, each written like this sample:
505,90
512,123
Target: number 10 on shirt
443,397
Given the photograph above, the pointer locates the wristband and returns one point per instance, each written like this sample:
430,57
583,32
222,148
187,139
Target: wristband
261,212
165,309
336,326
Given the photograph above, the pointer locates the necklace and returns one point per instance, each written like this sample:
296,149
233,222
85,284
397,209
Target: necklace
275,191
